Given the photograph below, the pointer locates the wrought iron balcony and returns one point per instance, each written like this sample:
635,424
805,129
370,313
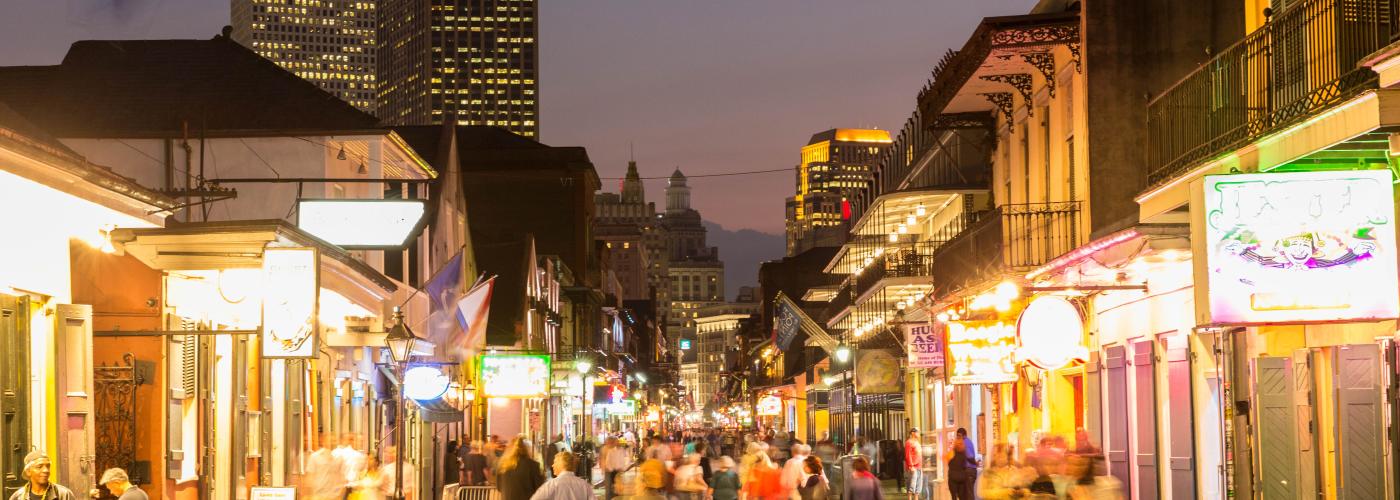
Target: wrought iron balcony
909,261
1010,238
1303,61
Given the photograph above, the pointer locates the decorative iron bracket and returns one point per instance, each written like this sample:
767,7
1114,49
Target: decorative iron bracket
1078,59
1022,83
972,120
1045,62
1003,101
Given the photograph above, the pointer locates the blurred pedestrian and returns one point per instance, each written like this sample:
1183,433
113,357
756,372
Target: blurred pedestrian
613,462
1004,478
120,485
451,465
475,471
369,485
519,474
690,480
325,477
388,475
960,475
351,458
793,473
565,485
814,484
725,483
864,485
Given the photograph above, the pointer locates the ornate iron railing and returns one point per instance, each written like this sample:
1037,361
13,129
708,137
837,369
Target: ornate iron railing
1302,61
1014,237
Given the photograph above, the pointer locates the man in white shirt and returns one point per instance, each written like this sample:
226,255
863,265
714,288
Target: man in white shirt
325,474
565,485
353,460
792,470
613,461
388,471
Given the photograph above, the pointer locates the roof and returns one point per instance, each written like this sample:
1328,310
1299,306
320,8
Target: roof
677,175
851,135
143,87
18,133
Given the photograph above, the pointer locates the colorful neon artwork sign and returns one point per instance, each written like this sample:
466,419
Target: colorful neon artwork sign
981,352
1302,247
515,376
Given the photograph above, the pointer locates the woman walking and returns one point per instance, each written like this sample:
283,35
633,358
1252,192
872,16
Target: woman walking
519,475
864,485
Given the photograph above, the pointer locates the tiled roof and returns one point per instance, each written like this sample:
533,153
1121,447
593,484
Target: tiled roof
150,87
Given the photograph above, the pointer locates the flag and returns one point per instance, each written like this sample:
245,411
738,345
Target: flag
444,289
790,320
473,312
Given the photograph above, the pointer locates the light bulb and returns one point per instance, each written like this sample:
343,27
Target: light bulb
903,229
910,220
920,211
894,238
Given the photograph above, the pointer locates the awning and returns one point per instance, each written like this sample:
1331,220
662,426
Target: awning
438,411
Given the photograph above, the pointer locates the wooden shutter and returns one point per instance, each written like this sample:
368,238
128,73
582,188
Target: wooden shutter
1145,412
1276,443
14,391
1304,420
1361,466
1181,443
1116,441
76,454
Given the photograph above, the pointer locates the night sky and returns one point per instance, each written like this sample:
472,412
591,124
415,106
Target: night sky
707,85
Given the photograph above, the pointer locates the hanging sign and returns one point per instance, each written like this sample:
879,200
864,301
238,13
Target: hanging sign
425,383
291,287
981,352
769,406
1051,333
1298,247
372,224
515,376
624,408
925,344
877,371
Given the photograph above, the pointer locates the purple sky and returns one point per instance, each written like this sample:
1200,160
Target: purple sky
709,86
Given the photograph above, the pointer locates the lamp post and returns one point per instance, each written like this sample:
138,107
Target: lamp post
400,342
583,366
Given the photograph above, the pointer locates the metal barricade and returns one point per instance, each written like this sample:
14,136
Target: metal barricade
478,493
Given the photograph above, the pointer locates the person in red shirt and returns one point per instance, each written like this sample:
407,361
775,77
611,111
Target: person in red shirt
914,464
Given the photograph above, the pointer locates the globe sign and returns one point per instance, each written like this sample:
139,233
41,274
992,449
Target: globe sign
423,383
1051,333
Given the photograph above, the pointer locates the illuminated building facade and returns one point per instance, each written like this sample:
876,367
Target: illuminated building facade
835,164
328,42
473,59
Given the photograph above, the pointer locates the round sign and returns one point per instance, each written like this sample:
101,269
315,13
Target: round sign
1051,333
423,383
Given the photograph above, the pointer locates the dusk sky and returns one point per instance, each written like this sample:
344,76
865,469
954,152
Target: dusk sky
710,86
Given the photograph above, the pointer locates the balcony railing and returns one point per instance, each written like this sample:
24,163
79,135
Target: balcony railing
908,261
1016,237
1302,61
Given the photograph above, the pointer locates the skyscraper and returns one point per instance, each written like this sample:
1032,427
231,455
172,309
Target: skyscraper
475,59
328,42
627,218
835,164
696,273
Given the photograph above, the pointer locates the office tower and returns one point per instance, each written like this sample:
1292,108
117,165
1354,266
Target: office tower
835,164
475,60
328,42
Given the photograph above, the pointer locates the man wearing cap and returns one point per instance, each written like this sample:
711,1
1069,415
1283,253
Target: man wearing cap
36,472
120,485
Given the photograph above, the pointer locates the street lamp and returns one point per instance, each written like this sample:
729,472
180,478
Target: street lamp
843,352
583,366
400,341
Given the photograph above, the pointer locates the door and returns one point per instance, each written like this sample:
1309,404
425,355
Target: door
1277,443
1116,442
1360,466
1180,448
14,391
1145,413
76,453
1304,418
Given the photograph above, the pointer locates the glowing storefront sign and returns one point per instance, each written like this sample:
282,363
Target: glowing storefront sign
1051,332
769,406
624,408
1301,247
290,285
981,352
515,376
362,224
425,383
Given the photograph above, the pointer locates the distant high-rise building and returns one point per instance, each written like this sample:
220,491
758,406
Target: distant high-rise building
626,220
328,42
696,273
476,60
835,164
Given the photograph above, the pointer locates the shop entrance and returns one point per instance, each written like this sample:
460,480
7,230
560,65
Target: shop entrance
14,391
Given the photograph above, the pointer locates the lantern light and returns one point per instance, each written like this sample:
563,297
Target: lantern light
843,352
583,365
400,339
920,211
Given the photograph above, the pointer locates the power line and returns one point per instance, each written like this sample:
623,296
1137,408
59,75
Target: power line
723,174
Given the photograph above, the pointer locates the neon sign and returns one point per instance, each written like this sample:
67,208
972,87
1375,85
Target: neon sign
1051,333
981,352
424,383
1302,247
769,406
515,376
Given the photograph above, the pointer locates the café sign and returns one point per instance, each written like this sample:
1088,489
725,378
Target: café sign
1297,247
981,352
1051,333
291,287
925,345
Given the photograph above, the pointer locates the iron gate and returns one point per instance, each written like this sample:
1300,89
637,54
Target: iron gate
115,388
